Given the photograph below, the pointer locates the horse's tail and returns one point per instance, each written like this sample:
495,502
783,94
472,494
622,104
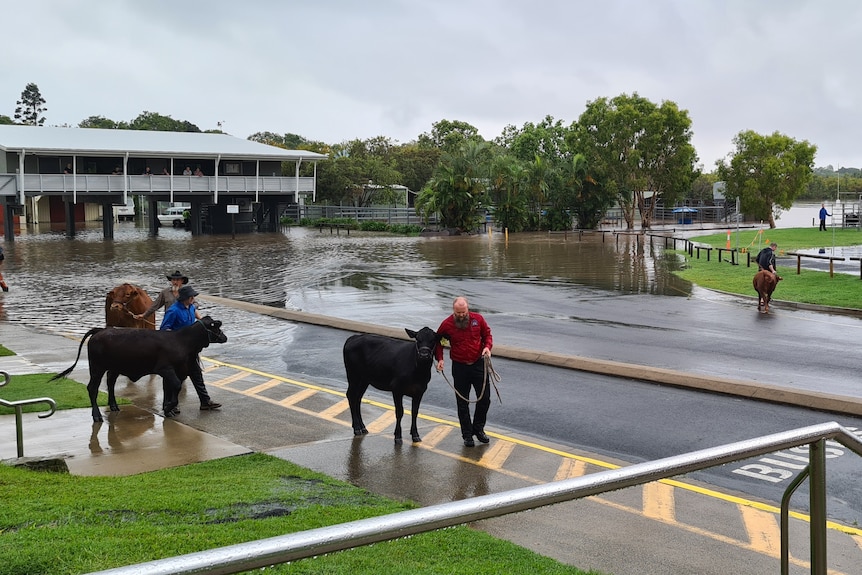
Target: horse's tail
81,345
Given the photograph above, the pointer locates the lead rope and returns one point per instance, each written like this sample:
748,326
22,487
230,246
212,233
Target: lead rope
490,374
126,309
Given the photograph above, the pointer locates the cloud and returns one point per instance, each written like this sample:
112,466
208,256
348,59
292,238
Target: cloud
338,70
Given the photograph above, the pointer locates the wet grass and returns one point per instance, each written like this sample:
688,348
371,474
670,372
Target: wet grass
811,287
68,394
62,524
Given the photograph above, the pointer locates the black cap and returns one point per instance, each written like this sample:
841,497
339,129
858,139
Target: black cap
187,292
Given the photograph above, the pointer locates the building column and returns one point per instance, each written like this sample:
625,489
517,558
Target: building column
107,220
70,218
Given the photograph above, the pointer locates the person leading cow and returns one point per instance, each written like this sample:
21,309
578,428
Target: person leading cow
181,314
167,296
766,258
470,343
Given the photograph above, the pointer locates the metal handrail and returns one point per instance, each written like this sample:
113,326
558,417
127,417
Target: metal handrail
284,548
17,405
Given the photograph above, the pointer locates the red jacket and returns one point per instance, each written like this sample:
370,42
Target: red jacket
465,345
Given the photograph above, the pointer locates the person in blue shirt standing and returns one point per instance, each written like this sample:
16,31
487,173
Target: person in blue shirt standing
823,214
181,314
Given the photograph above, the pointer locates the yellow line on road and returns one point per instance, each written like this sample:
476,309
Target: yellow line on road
587,460
658,501
763,531
297,397
262,387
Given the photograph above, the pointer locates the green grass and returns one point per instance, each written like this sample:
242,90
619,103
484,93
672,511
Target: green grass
5,351
68,394
63,524
811,287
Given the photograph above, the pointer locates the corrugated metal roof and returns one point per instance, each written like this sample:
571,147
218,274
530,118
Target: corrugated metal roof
99,142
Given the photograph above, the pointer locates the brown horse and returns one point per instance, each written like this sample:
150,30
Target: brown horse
764,283
123,302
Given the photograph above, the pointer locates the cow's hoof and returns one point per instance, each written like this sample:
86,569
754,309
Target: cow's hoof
398,441
417,439
97,419
115,408
362,431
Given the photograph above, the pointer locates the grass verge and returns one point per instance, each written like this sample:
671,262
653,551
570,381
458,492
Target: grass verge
67,393
812,287
62,524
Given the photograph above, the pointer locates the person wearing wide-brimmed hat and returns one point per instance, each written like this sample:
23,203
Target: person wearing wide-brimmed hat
167,296
181,314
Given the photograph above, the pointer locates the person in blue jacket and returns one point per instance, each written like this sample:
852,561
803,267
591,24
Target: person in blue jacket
181,314
823,214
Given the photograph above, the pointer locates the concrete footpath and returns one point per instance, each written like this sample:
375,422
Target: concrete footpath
653,529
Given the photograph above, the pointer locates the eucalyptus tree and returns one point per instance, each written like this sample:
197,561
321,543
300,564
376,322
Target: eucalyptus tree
458,187
640,148
449,136
6,120
766,171
547,139
31,106
99,122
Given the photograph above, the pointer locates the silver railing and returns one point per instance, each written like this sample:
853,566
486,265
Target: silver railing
284,548
17,405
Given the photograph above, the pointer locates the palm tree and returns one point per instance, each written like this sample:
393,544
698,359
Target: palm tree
458,187
507,175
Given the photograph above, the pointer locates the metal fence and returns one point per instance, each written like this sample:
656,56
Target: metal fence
285,548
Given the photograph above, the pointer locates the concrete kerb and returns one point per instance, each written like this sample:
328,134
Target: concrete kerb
741,388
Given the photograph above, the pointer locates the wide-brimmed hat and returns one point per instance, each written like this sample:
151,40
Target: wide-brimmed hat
186,292
177,275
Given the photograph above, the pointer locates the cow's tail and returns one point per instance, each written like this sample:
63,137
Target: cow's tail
84,339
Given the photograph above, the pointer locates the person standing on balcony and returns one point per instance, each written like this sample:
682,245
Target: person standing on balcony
198,171
187,171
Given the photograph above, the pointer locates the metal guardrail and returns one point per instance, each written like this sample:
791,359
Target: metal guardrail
281,549
17,405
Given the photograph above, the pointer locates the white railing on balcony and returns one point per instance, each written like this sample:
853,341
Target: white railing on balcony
102,183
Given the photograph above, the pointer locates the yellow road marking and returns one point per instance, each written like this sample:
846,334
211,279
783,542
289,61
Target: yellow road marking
566,455
763,531
570,468
225,381
262,387
381,423
335,410
436,435
858,540
496,455
297,397
658,501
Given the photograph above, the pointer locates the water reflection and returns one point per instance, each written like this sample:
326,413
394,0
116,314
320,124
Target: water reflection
60,283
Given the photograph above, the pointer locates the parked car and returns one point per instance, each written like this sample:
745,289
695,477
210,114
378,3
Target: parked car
126,212
173,217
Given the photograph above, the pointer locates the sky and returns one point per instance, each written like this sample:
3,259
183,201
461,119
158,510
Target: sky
339,70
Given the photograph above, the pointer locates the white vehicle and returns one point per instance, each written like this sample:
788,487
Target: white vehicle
173,217
126,212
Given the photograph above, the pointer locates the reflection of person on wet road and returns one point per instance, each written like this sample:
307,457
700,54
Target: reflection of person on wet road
470,343
3,285
181,314
168,296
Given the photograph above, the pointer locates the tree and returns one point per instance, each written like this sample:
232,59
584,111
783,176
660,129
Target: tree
506,183
547,139
416,165
99,122
639,149
766,171
30,107
457,189
157,122
580,194
287,141
449,136
6,120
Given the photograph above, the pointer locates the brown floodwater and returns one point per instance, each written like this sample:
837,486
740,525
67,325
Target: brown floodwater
59,283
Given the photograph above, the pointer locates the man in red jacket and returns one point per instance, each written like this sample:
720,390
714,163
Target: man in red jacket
470,342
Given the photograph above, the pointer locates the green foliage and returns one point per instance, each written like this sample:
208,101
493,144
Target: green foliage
813,287
68,394
405,229
547,139
766,171
153,121
6,120
634,146
287,221
450,136
457,189
374,226
63,524
5,351
322,222
99,122
31,106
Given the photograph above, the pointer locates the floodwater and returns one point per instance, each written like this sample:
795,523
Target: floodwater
58,283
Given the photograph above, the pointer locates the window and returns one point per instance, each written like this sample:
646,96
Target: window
232,168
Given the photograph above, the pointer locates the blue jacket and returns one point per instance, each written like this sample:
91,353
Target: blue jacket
178,316
824,213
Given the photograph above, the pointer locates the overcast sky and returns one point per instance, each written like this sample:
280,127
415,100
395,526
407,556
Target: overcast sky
345,69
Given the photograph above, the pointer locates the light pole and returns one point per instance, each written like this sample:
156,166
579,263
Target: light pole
834,213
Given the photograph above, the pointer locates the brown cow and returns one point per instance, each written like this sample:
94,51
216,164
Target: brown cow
123,302
764,283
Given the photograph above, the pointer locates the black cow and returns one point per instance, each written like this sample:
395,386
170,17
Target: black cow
139,352
389,364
